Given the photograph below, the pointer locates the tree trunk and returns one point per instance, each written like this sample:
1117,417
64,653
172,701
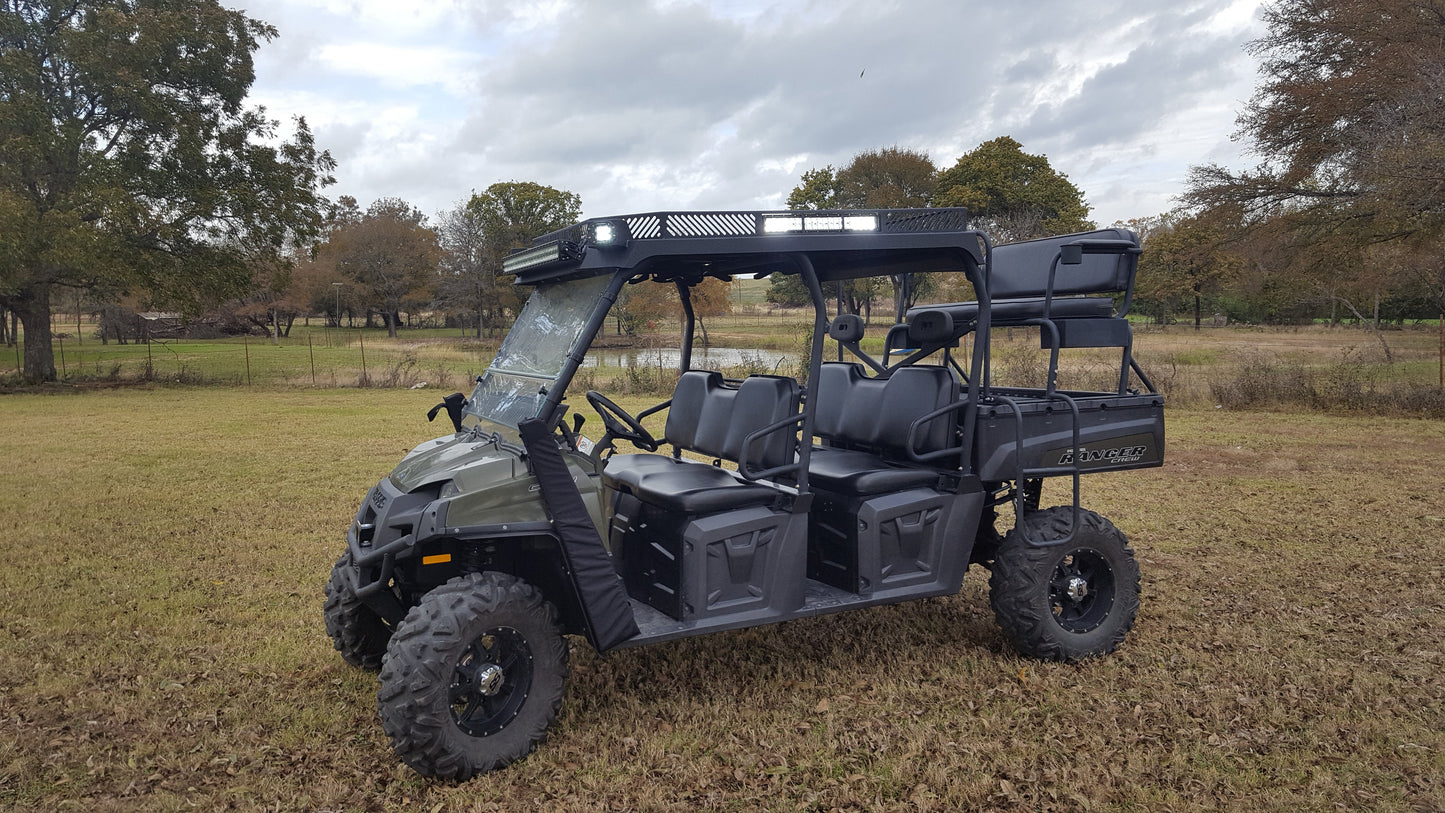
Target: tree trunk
34,309
390,318
1196,312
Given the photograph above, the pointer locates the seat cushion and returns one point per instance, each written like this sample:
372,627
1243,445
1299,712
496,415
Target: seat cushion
684,485
1004,311
844,471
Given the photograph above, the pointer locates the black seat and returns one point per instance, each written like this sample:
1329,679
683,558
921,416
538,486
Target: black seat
685,485
1066,286
867,424
1069,277
723,421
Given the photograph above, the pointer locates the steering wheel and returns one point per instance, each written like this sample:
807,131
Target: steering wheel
619,424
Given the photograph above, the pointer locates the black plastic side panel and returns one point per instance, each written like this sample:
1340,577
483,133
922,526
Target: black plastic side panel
702,566
609,614
1115,433
889,542
649,542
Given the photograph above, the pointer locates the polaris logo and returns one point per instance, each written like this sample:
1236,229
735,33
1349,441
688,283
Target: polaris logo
378,499
1120,454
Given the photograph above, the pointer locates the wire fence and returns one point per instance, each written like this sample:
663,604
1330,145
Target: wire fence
308,358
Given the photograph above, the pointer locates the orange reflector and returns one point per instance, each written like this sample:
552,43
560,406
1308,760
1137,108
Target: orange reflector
439,559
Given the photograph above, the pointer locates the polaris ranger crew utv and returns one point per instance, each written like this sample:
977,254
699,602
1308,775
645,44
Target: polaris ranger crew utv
872,482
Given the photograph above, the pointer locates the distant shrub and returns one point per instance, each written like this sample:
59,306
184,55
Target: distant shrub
1351,385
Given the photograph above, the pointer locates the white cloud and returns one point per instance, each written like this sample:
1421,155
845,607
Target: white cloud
401,66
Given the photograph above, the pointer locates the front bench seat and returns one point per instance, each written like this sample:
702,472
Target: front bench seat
709,416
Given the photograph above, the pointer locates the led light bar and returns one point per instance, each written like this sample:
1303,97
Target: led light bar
790,224
557,251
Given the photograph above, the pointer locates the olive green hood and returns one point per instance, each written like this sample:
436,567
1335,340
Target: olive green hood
471,460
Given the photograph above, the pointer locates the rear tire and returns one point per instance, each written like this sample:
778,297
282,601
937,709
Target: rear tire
356,631
473,676
1065,602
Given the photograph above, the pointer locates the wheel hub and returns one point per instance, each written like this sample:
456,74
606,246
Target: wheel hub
1081,590
490,679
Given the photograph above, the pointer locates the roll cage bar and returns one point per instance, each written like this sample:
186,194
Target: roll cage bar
684,248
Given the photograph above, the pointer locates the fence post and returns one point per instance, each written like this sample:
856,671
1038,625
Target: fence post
313,357
362,338
246,344
61,342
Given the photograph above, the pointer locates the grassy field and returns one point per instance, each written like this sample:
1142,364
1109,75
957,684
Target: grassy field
161,644
1196,368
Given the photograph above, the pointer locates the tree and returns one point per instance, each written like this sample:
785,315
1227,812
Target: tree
1349,127
887,178
890,178
513,213
817,190
1186,257
469,283
127,156
390,254
477,235
1011,194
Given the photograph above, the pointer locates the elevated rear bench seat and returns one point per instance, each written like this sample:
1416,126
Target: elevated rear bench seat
1066,284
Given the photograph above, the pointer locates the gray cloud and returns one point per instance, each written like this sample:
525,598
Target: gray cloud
640,105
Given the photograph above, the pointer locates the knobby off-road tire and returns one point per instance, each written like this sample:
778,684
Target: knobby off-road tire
473,676
1065,602
358,633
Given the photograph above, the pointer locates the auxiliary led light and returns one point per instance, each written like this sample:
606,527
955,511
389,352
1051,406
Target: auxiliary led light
608,234
817,223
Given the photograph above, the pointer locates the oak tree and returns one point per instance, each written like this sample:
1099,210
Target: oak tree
477,235
128,157
887,178
390,255
1012,195
1350,132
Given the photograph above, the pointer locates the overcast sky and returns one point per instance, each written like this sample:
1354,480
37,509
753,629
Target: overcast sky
645,105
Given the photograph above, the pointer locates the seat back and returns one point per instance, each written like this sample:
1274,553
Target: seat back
1023,269
712,417
876,414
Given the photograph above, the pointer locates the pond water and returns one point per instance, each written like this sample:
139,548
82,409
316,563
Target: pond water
705,358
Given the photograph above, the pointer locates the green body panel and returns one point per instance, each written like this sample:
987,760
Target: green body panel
490,482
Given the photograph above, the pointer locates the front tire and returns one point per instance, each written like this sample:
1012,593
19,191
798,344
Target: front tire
356,631
1065,602
473,676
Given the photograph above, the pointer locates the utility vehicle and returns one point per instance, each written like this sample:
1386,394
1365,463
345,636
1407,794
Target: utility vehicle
875,479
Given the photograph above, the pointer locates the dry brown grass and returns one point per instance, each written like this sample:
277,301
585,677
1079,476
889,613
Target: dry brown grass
161,645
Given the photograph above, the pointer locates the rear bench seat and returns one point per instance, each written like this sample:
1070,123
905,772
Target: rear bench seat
714,418
866,423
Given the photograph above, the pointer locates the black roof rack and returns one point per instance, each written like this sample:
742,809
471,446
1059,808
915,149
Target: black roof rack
842,244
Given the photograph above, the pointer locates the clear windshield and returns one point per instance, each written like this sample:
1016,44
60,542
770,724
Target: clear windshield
513,387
